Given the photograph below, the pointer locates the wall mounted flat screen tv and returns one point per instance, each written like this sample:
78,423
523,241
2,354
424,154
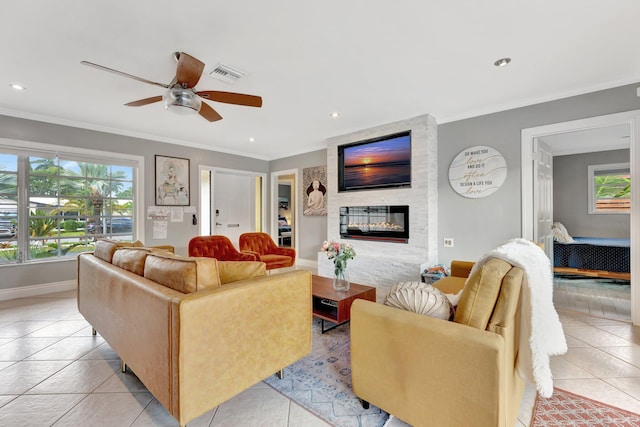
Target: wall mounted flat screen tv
377,163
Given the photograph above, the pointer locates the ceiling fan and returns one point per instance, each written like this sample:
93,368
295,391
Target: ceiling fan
181,95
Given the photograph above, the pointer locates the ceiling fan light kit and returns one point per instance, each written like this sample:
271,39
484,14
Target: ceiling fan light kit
182,101
181,96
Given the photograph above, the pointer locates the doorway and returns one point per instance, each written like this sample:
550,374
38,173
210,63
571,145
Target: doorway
530,211
232,202
284,208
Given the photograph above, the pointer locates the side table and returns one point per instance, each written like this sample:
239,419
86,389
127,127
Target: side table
335,307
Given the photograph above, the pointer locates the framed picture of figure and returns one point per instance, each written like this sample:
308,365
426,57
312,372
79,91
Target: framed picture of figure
314,182
172,181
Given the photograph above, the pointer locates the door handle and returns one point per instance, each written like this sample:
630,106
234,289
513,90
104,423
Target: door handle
233,225
217,223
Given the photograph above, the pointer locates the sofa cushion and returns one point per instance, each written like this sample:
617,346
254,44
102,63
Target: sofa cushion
183,274
232,271
105,248
481,293
131,259
420,298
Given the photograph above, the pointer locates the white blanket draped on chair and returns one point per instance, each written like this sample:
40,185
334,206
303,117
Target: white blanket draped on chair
541,333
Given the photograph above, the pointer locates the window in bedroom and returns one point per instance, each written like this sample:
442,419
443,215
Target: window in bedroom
56,204
609,189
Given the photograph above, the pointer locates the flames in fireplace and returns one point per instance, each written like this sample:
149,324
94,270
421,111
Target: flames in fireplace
383,223
379,226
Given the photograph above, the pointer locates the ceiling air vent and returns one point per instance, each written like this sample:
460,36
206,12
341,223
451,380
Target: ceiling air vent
226,73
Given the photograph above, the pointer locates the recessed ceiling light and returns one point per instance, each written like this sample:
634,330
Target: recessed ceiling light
251,139
502,62
17,86
334,115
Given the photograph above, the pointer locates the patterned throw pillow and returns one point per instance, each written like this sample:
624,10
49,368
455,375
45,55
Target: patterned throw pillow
420,298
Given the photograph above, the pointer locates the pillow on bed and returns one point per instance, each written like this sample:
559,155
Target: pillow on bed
560,233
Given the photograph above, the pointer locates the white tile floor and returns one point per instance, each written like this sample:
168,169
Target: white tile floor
608,299
54,372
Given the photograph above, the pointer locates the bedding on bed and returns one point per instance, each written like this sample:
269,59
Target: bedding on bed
594,253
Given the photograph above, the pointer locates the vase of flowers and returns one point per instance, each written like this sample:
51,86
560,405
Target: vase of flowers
339,253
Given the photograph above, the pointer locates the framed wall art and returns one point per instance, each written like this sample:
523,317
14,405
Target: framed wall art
314,187
172,181
477,172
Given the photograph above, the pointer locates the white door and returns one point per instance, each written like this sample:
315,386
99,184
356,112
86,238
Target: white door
543,196
233,210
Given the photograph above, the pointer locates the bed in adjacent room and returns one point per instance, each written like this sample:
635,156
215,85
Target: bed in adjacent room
590,256
602,257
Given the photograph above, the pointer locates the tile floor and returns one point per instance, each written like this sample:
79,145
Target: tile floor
53,372
610,299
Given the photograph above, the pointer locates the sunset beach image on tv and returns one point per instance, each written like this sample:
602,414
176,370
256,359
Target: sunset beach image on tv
378,163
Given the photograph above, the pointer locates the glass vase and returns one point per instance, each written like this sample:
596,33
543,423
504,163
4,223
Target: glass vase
341,281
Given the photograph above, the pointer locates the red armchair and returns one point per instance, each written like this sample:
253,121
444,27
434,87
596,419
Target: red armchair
267,251
218,247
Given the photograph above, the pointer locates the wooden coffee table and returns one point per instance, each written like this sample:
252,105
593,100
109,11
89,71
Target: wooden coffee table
335,307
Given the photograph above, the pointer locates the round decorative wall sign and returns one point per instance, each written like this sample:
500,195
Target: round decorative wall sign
477,172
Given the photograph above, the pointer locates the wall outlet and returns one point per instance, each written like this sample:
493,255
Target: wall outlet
448,242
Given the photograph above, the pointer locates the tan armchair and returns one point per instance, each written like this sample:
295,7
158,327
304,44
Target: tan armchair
432,372
266,250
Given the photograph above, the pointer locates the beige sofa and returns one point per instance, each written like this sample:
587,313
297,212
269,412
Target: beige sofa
195,331
432,372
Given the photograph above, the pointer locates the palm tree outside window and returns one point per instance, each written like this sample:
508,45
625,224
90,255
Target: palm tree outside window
69,205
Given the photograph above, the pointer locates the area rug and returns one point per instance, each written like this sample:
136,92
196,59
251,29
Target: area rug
321,382
568,409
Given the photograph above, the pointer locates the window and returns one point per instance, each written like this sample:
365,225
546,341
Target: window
609,189
55,205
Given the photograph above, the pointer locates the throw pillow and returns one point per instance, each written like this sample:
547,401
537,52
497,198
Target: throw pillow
560,233
105,248
183,274
420,298
131,259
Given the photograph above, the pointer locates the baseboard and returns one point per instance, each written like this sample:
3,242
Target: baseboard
307,263
35,290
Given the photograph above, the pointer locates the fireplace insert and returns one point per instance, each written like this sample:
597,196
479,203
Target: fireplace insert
383,223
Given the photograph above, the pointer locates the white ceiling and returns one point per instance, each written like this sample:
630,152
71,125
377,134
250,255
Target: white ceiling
589,140
373,61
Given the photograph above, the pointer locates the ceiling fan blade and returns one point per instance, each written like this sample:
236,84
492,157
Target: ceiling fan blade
146,101
189,70
209,113
111,70
232,98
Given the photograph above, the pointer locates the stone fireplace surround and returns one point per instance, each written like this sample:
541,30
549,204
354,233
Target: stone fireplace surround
383,264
